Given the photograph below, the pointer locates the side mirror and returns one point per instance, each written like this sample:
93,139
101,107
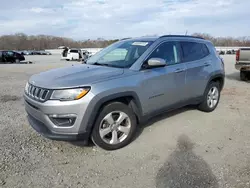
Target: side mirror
156,62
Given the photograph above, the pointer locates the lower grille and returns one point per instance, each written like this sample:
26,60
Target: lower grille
38,94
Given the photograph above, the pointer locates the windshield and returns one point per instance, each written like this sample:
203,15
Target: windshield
122,54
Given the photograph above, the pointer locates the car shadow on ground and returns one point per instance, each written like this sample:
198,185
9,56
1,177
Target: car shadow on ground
184,168
161,117
141,127
84,143
233,76
236,76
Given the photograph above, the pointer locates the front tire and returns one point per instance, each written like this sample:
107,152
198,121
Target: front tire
114,127
211,97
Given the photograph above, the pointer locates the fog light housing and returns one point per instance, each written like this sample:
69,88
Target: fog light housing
63,120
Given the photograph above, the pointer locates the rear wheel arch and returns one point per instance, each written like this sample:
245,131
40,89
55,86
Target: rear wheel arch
220,78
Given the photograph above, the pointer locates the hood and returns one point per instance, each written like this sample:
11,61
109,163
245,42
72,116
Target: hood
73,76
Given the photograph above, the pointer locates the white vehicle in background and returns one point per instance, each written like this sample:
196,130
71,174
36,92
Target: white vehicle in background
71,54
243,63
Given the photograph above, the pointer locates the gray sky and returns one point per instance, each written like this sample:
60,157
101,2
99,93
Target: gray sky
83,19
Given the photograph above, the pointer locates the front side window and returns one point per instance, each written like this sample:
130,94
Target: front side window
122,54
193,51
169,51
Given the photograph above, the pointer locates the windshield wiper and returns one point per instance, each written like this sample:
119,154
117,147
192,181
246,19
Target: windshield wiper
104,64
96,63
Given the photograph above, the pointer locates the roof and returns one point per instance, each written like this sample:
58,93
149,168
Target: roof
181,36
142,39
163,36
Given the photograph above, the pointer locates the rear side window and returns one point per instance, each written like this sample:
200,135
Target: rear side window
193,51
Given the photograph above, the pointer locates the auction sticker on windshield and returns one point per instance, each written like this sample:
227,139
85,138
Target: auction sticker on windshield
140,43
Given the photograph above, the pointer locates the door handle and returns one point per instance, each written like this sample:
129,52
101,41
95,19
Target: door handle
207,64
179,70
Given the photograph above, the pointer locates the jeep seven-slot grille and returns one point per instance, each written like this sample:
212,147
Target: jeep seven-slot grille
38,94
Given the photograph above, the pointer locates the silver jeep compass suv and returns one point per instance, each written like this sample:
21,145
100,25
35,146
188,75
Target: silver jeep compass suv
123,85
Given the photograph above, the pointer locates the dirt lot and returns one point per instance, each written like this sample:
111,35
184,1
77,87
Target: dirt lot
182,147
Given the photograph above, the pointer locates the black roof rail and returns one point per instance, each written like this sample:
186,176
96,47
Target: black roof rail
188,36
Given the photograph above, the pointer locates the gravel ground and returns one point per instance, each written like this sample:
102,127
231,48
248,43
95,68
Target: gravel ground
185,148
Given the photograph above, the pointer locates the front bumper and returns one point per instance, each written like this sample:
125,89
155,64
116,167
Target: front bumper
39,117
44,131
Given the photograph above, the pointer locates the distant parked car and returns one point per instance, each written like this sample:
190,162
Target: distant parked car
25,52
85,56
11,57
229,52
34,52
222,52
43,52
71,54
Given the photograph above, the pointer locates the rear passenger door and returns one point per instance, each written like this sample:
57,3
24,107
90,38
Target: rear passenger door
197,58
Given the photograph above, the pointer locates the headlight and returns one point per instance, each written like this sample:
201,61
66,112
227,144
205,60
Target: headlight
69,94
26,88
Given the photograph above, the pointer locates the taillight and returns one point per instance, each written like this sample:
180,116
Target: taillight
238,55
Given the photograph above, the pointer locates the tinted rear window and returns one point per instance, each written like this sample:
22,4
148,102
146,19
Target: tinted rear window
73,51
194,51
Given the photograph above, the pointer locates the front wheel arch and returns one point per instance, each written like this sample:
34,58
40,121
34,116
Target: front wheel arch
105,143
130,98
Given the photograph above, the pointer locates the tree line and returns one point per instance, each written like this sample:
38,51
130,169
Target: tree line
226,41
22,41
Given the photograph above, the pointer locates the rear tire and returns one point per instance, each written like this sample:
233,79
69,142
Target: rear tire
211,97
114,127
243,75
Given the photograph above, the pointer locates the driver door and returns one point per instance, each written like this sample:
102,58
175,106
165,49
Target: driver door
164,87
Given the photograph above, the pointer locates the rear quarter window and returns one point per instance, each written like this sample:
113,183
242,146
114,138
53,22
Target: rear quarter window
193,51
